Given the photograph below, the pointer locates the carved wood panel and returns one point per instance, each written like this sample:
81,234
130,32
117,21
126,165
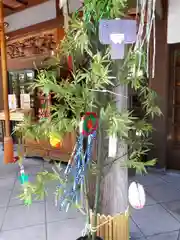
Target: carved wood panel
30,46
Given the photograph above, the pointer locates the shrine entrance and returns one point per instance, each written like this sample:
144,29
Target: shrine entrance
173,123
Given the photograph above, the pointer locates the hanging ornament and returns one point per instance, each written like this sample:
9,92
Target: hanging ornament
137,196
117,33
23,177
45,103
70,63
55,141
23,180
78,164
89,123
146,34
16,159
112,146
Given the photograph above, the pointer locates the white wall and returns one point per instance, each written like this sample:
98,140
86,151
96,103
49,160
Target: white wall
31,16
74,5
173,22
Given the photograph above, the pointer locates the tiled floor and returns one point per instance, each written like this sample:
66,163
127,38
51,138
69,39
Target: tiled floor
159,220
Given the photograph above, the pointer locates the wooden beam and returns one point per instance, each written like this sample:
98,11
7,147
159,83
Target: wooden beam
10,8
31,3
50,24
22,2
165,8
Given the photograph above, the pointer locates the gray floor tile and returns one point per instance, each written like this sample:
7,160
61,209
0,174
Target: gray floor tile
2,214
29,233
172,178
69,230
174,208
142,238
149,200
149,179
54,214
134,231
4,197
33,161
165,236
33,169
164,192
48,167
154,219
9,171
7,183
22,216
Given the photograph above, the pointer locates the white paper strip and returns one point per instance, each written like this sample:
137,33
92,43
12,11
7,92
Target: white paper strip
117,38
25,101
112,146
12,101
81,125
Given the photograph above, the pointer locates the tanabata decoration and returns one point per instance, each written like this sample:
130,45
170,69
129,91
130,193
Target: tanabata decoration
55,141
23,180
117,33
89,123
112,146
137,196
45,103
77,167
16,159
70,63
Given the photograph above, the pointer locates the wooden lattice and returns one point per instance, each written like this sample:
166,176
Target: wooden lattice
112,228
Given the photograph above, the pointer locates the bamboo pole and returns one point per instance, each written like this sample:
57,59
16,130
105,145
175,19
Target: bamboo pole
8,142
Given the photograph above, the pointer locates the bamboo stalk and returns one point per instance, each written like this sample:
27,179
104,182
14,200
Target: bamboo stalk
110,236
106,234
114,229
8,142
98,182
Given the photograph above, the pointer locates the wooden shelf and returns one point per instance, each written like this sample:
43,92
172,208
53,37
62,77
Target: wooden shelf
43,148
17,115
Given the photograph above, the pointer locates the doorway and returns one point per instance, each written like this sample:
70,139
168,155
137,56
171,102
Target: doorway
173,153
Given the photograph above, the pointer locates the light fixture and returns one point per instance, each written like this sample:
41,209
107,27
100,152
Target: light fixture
52,53
6,24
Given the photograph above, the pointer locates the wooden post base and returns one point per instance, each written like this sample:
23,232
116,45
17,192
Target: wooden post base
8,150
112,228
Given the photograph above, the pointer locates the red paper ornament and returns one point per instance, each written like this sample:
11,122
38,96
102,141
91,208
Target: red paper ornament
15,159
89,123
70,63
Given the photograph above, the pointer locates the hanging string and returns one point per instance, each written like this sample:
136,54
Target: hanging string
108,91
146,8
141,8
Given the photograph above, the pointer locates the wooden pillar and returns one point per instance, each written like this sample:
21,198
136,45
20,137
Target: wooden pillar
8,142
160,85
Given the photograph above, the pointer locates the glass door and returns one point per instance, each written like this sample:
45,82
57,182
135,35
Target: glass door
19,83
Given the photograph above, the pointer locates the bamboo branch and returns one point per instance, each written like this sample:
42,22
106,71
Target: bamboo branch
98,183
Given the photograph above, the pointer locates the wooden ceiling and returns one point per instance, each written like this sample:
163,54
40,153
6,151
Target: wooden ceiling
12,6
